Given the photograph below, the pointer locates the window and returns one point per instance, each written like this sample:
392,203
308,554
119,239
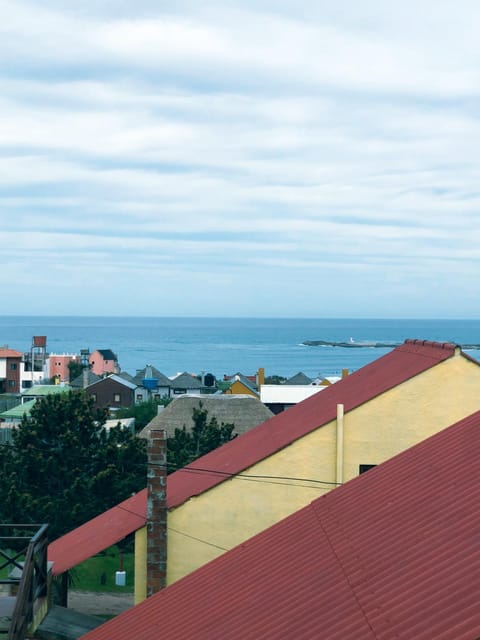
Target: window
93,396
139,397
363,468
11,383
116,397
13,366
157,396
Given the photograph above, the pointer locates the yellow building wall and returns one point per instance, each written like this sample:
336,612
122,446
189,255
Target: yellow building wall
140,583
226,515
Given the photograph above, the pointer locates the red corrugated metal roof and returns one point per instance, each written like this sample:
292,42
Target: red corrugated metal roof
393,553
402,363
95,535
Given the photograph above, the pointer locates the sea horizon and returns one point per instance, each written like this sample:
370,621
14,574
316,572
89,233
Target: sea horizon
227,345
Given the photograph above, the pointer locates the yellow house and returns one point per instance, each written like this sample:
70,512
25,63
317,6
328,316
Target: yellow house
232,493
243,386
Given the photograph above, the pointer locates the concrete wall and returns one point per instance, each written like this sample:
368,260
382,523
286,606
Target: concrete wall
233,511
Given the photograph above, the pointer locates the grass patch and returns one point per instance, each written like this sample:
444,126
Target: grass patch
98,573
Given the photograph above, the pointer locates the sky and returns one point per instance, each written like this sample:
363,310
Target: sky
264,158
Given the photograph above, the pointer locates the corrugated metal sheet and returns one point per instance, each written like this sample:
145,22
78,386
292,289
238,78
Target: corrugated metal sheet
395,553
401,364
95,535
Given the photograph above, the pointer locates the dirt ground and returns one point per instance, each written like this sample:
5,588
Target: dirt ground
99,604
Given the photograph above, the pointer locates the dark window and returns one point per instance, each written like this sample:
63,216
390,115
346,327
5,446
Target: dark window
365,467
11,383
13,366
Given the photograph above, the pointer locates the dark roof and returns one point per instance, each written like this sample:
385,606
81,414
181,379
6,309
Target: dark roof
393,553
107,354
397,366
152,372
127,376
299,378
113,377
78,381
186,381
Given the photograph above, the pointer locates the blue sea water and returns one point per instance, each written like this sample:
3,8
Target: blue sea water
228,345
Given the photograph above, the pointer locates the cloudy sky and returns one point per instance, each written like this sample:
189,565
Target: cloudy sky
240,158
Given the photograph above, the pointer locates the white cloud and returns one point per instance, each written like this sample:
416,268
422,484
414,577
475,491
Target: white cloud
236,139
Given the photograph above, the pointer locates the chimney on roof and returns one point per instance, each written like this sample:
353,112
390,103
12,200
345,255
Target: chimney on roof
156,512
260,377
344,373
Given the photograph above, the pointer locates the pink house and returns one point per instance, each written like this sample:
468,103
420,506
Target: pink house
58,365
103,361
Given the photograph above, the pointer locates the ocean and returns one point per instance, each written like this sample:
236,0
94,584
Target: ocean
230,345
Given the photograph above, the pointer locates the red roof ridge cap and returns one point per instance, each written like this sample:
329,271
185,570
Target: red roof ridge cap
451,346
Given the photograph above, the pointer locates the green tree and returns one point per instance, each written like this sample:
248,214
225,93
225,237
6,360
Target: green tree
64,467
75,369
143,412
185,446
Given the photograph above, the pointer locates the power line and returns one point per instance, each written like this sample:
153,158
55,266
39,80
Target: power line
265,479
244,476
187,535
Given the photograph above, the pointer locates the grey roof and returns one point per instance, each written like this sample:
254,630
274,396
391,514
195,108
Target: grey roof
78,381
116,378
299,378
243,411
246,383
244,380
126,376
152,372
186,381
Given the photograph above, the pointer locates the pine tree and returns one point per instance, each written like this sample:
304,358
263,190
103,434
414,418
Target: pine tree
64,467
206,435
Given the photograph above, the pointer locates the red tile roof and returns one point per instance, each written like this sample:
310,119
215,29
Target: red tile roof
410,359
10,353
393,553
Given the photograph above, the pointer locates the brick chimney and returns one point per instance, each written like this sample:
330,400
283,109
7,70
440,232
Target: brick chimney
156,512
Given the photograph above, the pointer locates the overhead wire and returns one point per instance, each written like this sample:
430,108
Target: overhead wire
187,535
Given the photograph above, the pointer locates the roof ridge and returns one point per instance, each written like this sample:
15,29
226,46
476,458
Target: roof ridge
432,343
